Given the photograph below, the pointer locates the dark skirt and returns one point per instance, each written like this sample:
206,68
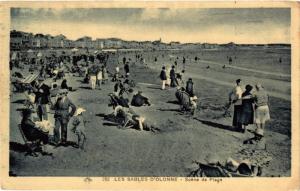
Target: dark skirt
237,114
247,117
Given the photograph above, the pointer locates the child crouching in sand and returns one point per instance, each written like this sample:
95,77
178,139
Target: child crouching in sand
79,127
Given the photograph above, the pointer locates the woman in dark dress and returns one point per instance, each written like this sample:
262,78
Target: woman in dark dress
31,132
64,85
247,115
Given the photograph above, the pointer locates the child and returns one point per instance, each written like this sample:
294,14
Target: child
79,127
30,96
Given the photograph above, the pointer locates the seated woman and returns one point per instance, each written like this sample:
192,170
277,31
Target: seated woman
64,85
140,100
30,129
133,120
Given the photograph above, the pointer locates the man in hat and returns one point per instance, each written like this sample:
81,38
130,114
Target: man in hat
139,100
126,68
42,98
62,116
163,77
173,77
93,76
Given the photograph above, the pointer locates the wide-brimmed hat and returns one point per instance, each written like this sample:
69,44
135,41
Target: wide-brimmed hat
79,111
26,112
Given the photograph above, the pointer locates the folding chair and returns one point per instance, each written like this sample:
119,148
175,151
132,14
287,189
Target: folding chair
31,145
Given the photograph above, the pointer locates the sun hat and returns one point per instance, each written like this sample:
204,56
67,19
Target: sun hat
79,111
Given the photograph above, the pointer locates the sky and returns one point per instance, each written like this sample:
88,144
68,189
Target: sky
243,25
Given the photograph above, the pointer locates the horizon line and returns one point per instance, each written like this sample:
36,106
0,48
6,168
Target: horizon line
106,38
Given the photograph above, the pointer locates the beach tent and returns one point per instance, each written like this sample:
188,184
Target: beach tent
74,50
30,78
29,51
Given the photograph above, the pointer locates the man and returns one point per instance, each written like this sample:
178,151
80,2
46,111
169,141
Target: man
139,100
190,87
179,77
62,116
93,76
42,98
126,69
163,77
235,97
173,77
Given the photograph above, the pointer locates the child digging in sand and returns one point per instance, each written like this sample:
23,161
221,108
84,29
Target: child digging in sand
79,127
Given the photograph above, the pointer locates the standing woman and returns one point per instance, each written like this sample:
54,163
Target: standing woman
104,74
262,113
247,115
99,77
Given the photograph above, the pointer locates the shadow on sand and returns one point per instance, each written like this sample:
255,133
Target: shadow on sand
217,125
173,102
154,88
17,147
19,101
86,88
178,110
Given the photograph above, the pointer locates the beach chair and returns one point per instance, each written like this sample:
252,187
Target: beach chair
25,84
30,145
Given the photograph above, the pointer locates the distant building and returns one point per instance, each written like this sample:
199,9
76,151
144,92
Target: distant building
98,43
84,42
113,43
39,41
20,40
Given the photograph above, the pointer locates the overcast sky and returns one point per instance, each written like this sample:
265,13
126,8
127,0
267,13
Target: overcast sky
184,25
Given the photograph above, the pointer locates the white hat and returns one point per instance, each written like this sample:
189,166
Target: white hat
79,111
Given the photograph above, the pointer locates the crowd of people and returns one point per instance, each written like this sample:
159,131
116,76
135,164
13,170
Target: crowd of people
249,108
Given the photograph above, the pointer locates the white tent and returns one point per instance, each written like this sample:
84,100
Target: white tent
29,51
74,50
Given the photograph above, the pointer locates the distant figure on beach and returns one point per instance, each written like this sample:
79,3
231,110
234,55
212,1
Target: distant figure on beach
163,77
230,60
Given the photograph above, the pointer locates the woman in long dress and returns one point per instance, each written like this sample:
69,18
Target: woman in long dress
247,115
